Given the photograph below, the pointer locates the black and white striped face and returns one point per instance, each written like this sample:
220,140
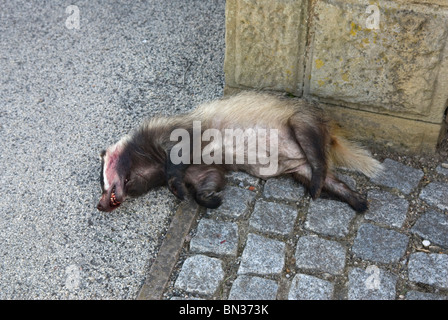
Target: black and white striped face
112,178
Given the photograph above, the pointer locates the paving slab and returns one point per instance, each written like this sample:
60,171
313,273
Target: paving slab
399,176
433,226
314,253
429,268
262,256
306,287
435,194
329,217
386,208
270,217
379,244
216,237
253,288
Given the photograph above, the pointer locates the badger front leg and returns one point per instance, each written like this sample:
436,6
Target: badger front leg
206,182
174,174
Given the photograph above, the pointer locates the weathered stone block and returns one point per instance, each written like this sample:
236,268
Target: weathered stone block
398,133
265,44
390,58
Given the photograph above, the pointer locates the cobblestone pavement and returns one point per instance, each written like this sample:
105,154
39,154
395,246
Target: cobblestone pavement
269,240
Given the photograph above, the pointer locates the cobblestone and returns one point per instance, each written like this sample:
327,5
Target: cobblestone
306,287
399,176
377,244
236,203
435,194
283,188
387,208
262,256
442,170
200,274
273,218
329,217
253,288
314,253
433,226
416,295
430,269
243,179
216,237
274,243
371,284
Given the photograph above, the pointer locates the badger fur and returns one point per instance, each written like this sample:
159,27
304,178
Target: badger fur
307,146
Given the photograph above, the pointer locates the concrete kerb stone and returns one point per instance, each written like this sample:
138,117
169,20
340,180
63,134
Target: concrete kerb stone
162,267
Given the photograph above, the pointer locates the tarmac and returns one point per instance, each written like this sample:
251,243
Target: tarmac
68,92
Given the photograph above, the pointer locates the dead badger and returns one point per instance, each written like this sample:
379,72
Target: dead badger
262,134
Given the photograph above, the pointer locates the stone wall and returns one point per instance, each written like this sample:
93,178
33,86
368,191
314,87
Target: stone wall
379,67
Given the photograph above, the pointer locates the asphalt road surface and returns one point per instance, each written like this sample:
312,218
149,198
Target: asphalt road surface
73,80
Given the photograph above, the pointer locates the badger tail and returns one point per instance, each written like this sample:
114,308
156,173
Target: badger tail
344,153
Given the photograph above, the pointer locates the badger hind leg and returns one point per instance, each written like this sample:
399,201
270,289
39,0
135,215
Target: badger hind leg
311,133
335,187
206,182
